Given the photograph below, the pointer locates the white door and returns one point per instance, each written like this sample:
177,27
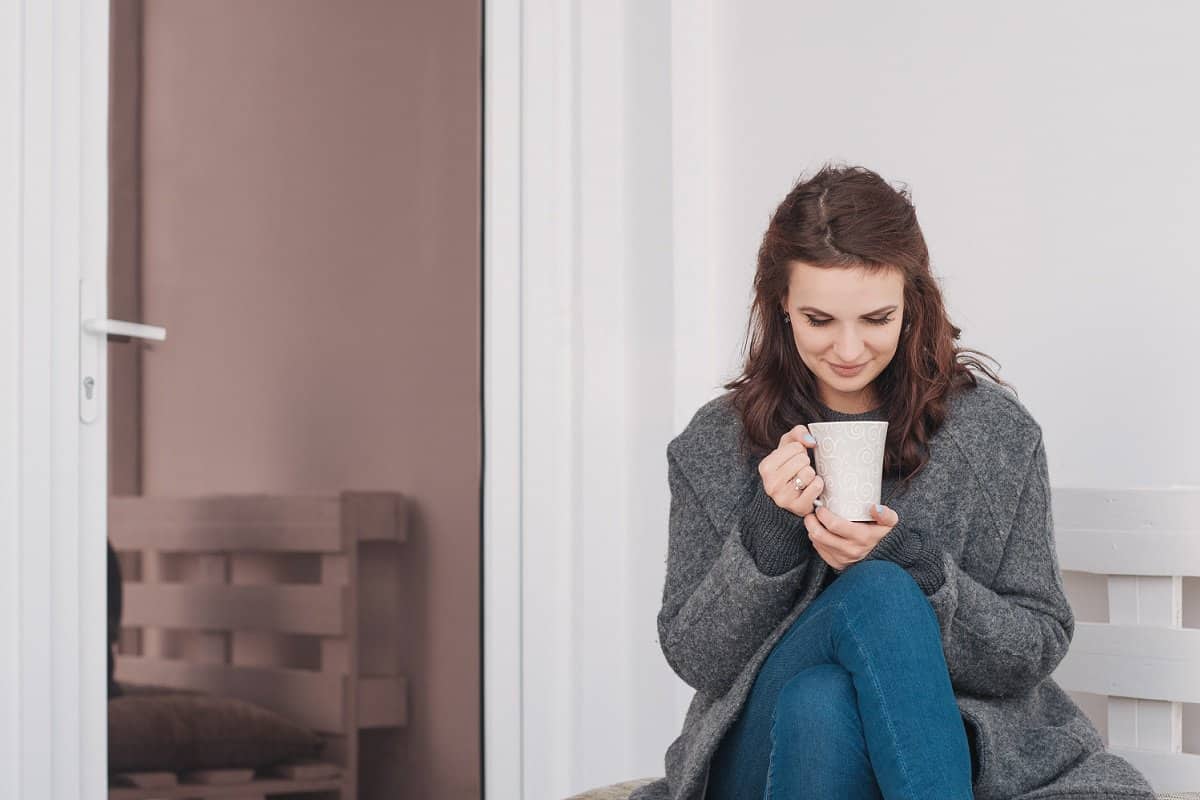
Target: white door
53,462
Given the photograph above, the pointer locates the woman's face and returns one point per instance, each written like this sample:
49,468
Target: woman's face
845,317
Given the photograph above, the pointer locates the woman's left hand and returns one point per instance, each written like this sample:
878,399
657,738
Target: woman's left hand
840,542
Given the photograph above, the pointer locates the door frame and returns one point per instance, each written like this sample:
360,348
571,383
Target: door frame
53,473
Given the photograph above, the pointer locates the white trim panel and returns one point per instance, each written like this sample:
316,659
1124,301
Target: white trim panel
502,698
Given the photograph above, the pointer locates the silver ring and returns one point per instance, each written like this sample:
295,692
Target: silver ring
796,482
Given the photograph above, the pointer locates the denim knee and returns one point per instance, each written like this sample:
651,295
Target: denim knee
878,578
817,699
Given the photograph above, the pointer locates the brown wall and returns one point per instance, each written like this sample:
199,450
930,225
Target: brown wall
311,241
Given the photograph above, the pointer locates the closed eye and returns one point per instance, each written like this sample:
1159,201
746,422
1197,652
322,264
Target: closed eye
817,323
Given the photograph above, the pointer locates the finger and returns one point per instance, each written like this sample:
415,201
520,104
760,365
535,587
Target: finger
887,516
799,433
854,534
784,481
780,456
819,534
833,523
801,503
794,465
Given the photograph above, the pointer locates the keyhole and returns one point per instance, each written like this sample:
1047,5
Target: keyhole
89,386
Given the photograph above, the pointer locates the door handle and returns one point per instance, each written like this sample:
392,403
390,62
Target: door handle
94,333
124,330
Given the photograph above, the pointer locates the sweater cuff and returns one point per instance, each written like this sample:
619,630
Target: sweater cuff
773,535
912,550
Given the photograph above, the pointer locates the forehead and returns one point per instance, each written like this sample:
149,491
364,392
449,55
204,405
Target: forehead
842,289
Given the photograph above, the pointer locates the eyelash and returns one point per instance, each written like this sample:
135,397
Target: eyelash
820,323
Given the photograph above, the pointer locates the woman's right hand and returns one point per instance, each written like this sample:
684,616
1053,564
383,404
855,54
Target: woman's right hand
781,465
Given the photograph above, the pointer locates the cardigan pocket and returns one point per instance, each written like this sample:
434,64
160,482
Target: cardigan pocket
971,726
975,743
1015,761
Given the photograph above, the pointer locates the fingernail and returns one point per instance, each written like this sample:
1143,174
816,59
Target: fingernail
808,437
878,508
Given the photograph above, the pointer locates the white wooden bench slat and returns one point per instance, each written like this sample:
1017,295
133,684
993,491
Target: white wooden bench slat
1133,661
1129,552
1126,509
1169,772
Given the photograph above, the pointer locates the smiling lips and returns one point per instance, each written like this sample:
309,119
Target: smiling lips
847,371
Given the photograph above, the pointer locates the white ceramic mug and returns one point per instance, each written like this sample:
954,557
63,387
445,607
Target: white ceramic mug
849,458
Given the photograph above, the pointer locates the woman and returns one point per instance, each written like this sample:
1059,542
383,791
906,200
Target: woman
907,657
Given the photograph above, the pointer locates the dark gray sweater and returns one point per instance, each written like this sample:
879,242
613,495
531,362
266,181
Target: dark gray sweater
981,506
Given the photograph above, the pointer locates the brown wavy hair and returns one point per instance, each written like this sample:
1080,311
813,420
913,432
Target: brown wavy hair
846,217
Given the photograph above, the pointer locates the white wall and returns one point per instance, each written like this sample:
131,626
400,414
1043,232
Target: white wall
1052,158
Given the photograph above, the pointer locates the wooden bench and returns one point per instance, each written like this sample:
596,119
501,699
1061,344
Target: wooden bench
1135,547
1128,552
270,600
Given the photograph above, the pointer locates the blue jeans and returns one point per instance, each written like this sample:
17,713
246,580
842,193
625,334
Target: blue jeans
854,701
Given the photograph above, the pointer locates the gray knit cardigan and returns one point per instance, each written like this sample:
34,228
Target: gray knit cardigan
983,500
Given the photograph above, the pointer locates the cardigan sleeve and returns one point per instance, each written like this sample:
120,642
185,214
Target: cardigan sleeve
773,536
1003,640
718,607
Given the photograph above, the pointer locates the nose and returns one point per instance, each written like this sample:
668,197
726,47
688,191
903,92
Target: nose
847,348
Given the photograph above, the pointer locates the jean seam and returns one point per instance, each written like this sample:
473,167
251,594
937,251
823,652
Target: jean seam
804,621
771,754
887,717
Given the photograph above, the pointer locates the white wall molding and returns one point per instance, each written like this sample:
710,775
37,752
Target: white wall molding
502,557
693,223
549,402
591,290
11,129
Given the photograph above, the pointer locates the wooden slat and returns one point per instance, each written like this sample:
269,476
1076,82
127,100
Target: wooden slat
1155,602
144,780
1126,509
311,699
305,770
1132,661
217,777
267,786
311,609
1129,552
226,523
375,516
382,702
233,523
1168,772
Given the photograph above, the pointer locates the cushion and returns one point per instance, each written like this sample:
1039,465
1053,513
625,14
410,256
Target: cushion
618,791
158,730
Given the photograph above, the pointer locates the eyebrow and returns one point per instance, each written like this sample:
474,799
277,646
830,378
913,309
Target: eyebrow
869,313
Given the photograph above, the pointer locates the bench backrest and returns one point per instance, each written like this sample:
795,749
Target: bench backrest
1134,551
264,598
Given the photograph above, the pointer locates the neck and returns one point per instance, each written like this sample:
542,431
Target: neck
859,405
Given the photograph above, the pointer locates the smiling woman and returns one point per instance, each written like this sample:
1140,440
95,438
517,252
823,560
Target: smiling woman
905,657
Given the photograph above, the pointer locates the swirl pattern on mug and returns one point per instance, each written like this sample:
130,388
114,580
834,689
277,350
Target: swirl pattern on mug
849,457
